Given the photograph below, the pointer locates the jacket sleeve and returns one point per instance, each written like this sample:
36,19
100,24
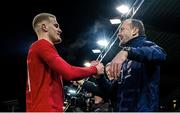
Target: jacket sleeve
149,52
105,85
51,57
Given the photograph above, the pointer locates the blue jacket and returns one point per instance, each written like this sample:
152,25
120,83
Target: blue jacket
137,89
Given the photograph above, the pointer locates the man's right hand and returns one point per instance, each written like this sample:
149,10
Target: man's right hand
116,63
100,69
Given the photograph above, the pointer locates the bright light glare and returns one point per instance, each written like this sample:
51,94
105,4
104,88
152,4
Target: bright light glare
174,101
115,21
87,64
96,51
72,91
123,9
102,42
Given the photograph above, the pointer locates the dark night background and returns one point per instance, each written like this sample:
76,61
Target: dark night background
82,22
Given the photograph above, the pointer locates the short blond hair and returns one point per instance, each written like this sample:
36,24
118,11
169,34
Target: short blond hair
41,17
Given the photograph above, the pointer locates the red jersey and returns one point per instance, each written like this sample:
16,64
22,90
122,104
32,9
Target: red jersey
46,69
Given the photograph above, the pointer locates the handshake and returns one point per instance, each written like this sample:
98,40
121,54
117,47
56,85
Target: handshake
112,69
101,69
99,66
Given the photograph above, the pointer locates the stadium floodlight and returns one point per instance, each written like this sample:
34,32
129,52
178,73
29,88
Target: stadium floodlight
102,43
123,9
96,50
115,21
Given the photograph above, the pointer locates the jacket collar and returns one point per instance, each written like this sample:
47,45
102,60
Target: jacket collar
135,41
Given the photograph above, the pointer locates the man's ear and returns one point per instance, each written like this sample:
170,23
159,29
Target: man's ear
135,31
44,27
